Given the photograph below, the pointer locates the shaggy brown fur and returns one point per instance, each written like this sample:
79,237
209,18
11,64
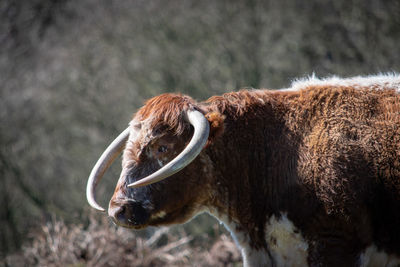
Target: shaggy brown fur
328,156
166,110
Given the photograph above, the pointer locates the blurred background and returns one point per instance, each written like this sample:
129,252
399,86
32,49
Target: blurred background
73,72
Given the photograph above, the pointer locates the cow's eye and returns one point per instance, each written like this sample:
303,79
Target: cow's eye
162,149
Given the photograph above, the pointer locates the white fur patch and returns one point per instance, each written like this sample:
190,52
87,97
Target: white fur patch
286,244
158,215
251,257
372,257
389,80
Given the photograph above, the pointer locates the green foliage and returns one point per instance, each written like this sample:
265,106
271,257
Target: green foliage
73,72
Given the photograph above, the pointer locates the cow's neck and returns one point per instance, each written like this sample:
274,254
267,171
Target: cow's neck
251,182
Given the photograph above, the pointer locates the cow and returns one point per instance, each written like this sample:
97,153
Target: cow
304,176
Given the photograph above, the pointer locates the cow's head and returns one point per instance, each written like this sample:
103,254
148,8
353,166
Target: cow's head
163,138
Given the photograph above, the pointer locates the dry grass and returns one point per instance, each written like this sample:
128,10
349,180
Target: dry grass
100,244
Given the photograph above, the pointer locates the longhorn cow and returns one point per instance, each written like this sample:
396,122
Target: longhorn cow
309,175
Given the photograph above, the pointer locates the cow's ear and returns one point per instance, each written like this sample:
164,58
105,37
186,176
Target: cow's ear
216,120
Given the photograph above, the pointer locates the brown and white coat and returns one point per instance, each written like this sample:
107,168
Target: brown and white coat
308,175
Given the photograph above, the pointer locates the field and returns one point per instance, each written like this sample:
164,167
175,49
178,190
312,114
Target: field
73,72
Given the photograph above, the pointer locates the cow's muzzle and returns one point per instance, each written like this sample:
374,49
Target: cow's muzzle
129,214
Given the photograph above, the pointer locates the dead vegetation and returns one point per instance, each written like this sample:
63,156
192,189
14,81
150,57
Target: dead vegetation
102,244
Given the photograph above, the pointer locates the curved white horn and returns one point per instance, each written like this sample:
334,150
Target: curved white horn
199,139
103,163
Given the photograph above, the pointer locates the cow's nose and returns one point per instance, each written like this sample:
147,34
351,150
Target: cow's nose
117,213
128,214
